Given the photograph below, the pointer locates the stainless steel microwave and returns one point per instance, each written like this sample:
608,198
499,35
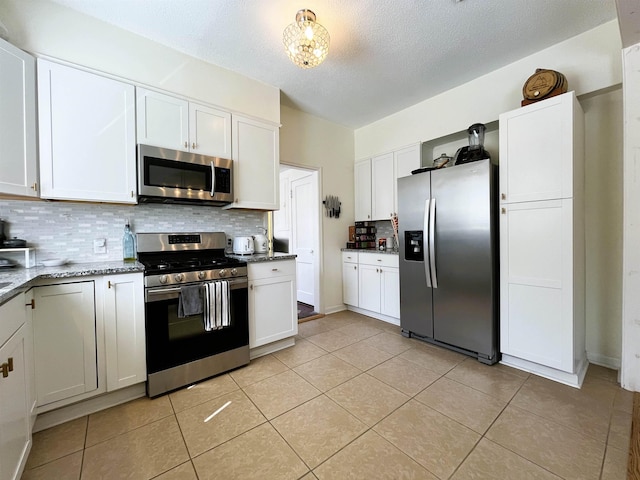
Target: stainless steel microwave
172,176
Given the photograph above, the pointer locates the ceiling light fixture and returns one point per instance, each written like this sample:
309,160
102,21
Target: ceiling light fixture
305,41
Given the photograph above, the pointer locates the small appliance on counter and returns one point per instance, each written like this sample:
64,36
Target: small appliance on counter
14,243
243,245
475,151
261,242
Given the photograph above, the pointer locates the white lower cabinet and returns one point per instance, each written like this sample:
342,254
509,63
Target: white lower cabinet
64,326
15,425
537,265
124,330
350,278
273,311
88,338
375,288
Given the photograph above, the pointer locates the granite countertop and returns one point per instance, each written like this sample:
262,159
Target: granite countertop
17,279
263,257
370,250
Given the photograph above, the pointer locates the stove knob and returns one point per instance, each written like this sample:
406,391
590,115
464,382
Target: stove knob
202,275
234,271
222,273
164,279
178,277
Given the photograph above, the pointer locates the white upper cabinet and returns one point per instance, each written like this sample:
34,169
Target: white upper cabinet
171,122
362,176
18,161
380,191
162,120
256,164
87,135
537,150
382,187
209,131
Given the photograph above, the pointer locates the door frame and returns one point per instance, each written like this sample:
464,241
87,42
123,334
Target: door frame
316,173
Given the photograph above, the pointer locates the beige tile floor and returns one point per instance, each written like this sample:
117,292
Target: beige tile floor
353,399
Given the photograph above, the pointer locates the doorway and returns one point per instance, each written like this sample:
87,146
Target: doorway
296,230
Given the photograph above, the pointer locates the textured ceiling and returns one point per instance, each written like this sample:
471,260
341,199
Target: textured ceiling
385,55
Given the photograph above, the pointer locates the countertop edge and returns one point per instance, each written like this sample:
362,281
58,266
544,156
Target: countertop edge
370,250
21,279
263,257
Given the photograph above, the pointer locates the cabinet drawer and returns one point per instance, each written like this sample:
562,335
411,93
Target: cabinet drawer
271,269
12,317
350,257
379,259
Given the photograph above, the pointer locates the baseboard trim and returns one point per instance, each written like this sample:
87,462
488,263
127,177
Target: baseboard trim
571,379
271,347
335,309
87,407
604,361
379,316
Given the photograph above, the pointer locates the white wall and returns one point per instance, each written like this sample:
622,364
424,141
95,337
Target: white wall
603,226
46,28
590,61
631,256
310,141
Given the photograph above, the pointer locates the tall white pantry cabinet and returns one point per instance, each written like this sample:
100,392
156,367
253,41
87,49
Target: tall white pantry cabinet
542,265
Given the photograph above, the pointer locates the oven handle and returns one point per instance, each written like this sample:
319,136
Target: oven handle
158,294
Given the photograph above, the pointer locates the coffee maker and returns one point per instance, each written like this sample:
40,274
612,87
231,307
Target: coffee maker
475,150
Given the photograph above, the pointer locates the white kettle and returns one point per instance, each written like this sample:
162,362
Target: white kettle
243,245
260,243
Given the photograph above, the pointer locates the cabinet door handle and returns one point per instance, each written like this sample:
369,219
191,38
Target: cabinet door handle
274,269
109,284
193,145
379,259
131,193
31,304
504,210
10,364
251,287
5,370
504,197
34,186
355,268
186,145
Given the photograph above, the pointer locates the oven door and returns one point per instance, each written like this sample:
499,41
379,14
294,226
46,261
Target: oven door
173,341
182,176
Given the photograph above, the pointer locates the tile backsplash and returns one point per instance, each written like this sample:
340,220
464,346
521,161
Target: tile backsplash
68,229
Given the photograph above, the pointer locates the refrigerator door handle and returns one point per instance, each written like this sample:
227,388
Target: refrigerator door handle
432,242
425,233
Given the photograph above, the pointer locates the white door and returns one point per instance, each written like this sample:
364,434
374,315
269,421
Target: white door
304,223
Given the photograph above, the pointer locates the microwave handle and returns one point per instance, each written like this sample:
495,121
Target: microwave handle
213,179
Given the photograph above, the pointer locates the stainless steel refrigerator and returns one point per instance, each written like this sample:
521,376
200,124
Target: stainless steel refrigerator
448,239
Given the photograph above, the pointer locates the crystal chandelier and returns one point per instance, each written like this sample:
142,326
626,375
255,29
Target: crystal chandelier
305,41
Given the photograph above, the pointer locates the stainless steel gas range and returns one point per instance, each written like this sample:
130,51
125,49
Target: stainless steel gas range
186,343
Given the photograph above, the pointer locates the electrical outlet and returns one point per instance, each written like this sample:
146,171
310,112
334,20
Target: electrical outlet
100,245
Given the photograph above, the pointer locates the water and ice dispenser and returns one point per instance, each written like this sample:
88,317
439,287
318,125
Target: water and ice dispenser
413,245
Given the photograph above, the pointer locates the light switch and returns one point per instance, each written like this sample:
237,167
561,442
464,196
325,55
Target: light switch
100,245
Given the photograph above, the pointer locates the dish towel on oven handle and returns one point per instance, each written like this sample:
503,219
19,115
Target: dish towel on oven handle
190,301
217,313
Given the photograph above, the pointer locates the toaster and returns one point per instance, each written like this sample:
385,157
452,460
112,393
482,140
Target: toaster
243,245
